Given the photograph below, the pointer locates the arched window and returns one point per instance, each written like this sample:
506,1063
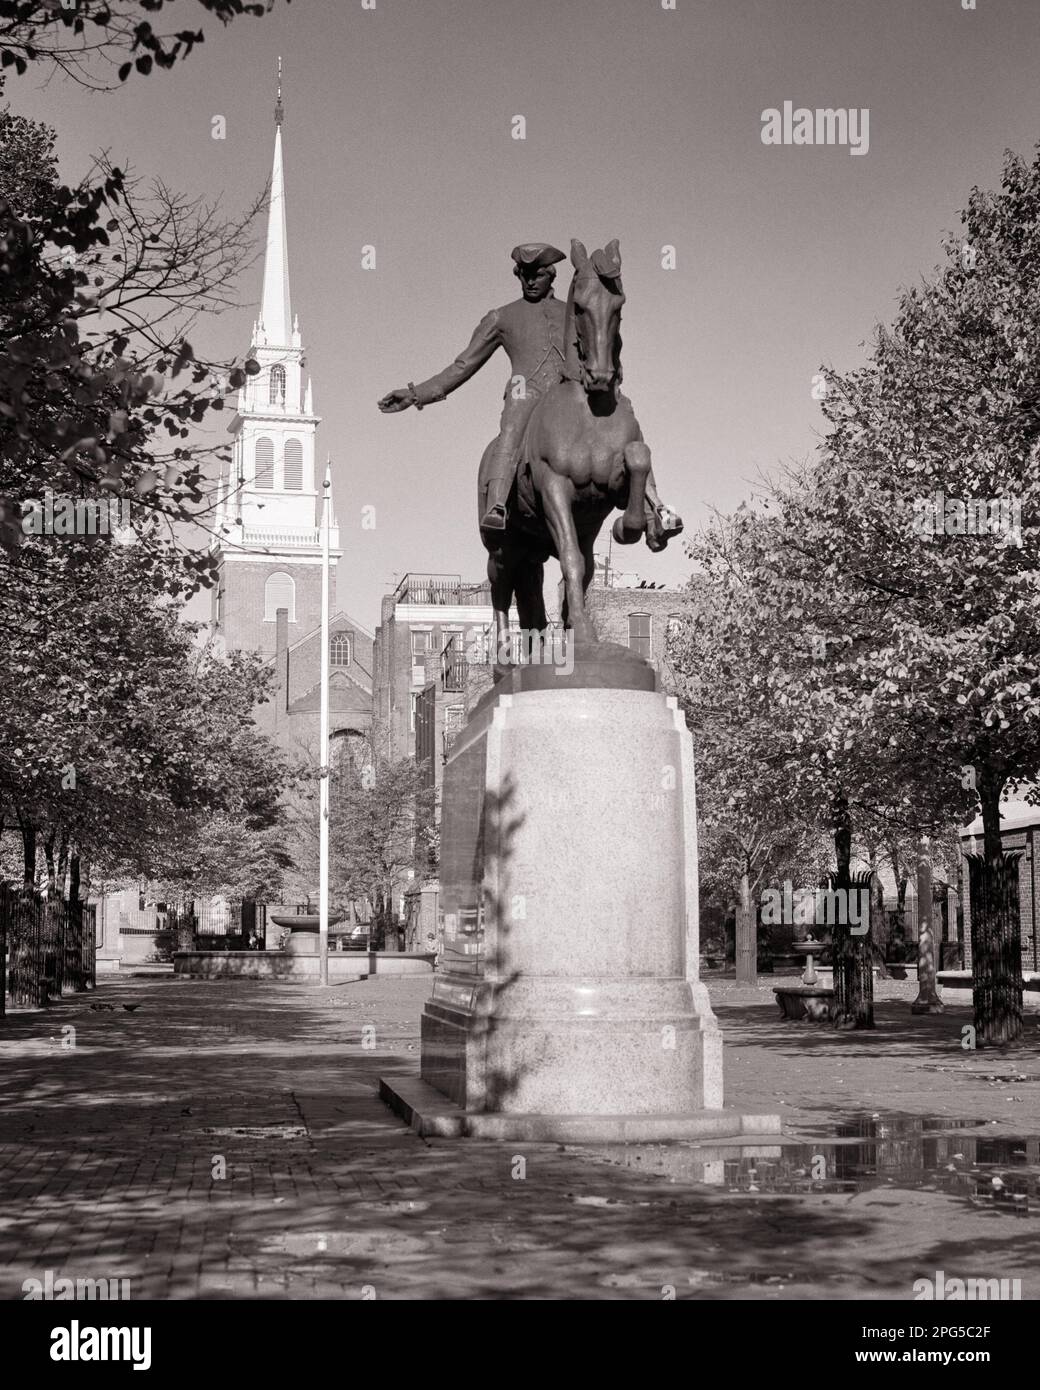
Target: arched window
339,652
639,638
293,465
279,592
277,395
264,474
348,750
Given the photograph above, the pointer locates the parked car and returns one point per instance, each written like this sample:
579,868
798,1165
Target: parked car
356,939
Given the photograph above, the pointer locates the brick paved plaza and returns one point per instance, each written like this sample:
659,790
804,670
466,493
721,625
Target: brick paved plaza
107,1156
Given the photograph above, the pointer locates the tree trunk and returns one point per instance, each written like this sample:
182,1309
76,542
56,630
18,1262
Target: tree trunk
63,860
897,873
853,974
902,880
48,855
75,927
4,913
878,919
28,853
927,1001
996,936
960,911
746,936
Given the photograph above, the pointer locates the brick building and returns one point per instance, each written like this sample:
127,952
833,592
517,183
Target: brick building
636,616
455,682
424,621
434,627
1019,832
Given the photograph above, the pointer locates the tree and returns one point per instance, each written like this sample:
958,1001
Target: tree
382,829
98,289
235,857
893,582
940,431
747,835
119,731
794,635
85,39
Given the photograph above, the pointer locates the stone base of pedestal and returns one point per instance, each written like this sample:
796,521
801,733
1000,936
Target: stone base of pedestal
545,1045
568,1003
431,1113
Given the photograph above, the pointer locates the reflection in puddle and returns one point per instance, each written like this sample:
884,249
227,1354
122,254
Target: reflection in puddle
256,1131
860,1154
344,1244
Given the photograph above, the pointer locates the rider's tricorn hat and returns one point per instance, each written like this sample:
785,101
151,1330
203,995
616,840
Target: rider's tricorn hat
535,254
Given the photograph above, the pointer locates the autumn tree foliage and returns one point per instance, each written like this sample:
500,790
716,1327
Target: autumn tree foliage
750,831
899,647
120,736
382,829
100,388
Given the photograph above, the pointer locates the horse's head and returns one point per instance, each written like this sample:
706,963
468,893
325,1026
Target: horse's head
595,302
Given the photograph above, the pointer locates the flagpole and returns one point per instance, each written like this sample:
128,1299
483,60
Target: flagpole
323,828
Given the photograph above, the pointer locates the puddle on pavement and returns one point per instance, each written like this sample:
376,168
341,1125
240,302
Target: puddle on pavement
257,1131
392,1207
859,1154
998,1078
343,1244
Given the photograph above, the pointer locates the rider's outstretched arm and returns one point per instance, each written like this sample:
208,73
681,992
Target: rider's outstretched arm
486,339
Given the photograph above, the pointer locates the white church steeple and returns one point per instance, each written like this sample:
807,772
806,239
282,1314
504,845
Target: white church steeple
268,500
275,311
272,486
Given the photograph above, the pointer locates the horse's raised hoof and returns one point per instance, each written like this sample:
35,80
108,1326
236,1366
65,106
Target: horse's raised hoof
622,535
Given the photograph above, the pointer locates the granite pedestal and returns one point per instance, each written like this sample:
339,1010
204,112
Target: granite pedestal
568,1004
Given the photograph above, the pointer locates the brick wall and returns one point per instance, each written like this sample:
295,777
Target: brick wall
393,666
305,658
242,584
611,609
1021,841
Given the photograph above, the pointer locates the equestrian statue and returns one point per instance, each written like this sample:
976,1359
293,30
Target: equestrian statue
569,448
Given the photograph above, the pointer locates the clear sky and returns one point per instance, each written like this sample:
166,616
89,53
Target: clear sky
643,124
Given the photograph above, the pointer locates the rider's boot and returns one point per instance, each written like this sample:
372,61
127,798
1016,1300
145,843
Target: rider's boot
494,518
662,523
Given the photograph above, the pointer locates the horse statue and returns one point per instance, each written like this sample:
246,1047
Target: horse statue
582,455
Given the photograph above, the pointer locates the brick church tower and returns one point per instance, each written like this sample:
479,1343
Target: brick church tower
267,519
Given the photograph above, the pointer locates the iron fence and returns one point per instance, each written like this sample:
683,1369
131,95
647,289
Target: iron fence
227,926
46,947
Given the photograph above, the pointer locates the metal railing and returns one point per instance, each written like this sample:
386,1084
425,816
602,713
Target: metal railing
453,671
441,590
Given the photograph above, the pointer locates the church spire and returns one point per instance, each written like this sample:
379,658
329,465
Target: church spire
275,314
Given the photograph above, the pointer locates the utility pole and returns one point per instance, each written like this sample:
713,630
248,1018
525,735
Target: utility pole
323,800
